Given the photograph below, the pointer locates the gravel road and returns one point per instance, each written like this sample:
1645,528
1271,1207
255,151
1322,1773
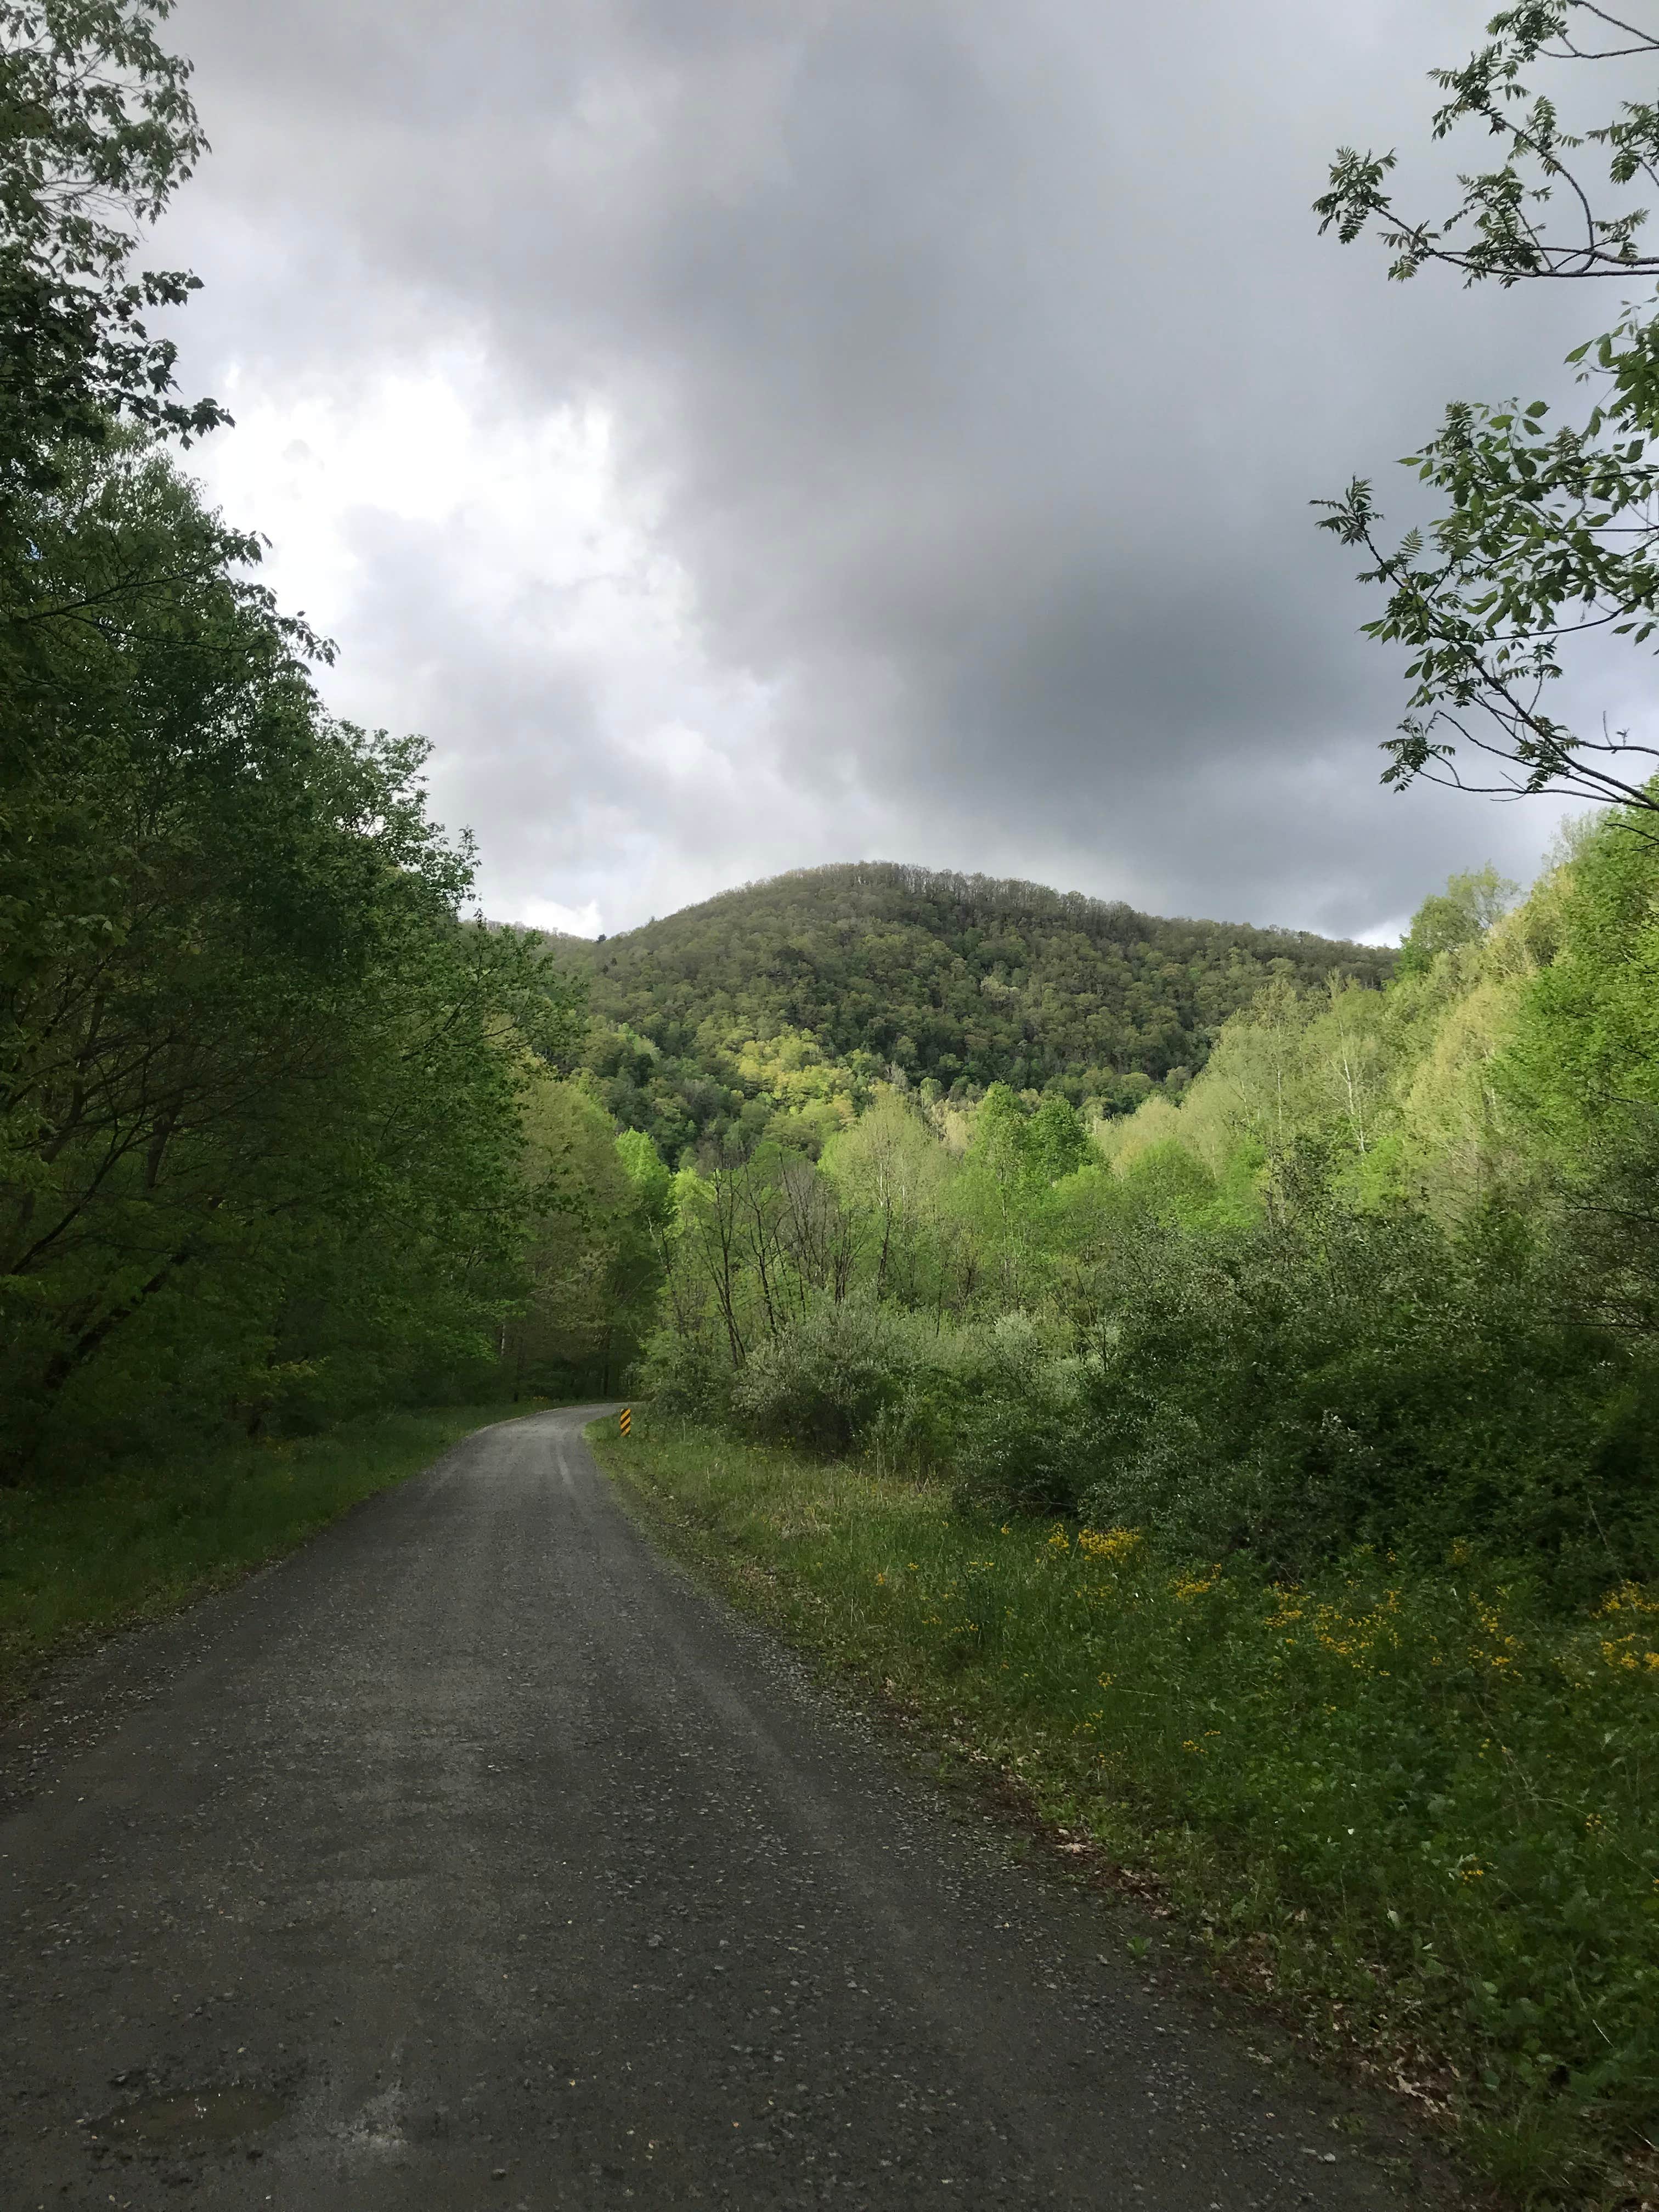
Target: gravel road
472,1858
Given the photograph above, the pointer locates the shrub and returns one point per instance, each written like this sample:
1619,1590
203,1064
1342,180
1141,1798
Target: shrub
824,1380
996,1404
1028,1441
687,1374
1373,1378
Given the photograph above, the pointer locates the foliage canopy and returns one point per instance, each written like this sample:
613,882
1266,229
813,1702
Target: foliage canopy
1545,542
97,130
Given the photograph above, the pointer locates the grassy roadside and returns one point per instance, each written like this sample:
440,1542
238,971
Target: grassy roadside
80,1560
1412,1811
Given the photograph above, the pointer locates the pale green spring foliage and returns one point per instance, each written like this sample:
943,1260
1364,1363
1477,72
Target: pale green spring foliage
1349,1283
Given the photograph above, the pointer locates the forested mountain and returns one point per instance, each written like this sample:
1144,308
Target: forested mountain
798,991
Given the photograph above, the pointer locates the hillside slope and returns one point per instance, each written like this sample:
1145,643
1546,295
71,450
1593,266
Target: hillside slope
795,991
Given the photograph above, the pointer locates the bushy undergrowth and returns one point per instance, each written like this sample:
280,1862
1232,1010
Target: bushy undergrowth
1290,1390
1000,1406
1297,1389
895,1384
1416,1802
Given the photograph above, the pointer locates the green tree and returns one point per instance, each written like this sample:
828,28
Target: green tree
258,1081
890,1166
96,131
1059,1140
1001,1139
1548,538
645,1168
1582,1070
1461,915
1259,1074
592,1266
1347,1051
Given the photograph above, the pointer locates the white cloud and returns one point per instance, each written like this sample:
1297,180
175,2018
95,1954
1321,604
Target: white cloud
743,438
491,581
570,922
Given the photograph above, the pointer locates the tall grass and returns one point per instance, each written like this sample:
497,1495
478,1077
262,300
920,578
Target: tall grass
1414,1806
79,1559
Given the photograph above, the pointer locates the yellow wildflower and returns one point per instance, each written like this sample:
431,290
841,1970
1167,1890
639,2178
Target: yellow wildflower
1110,1544
1186,1587
1630,1597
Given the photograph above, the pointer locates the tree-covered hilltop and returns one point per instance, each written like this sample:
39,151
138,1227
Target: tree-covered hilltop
793,992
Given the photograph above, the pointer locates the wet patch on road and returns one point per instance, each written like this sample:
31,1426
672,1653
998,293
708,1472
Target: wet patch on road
193,2119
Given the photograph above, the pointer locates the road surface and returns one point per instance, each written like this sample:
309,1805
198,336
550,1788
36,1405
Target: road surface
471,1857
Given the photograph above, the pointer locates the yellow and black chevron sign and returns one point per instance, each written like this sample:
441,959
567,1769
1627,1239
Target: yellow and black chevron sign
625,1419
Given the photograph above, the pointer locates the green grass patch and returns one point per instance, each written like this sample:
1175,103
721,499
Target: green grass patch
80,1560
1415,1810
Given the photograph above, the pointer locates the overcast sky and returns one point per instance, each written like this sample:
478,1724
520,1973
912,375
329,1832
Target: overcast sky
742,434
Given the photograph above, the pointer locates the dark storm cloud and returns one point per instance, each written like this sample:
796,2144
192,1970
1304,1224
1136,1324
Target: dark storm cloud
979,364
